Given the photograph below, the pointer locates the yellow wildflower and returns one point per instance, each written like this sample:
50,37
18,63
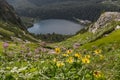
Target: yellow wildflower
87,56
101,57
70,60
77,55
65,55
69,51
86,60
98,51
97,74
54,60
57,50
60,64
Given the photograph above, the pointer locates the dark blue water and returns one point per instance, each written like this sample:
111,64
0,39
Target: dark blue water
55,25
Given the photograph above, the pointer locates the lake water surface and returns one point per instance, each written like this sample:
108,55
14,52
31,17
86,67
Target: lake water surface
55,25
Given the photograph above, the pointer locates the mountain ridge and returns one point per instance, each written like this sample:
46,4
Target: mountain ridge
11,25
104,19
8,14
64,9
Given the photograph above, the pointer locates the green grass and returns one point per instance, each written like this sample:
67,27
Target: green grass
110,39
80,38
6,33
89,37
19,65
21,61
1,48
23,66
8,30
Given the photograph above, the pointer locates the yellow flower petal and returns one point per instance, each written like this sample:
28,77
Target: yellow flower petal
87,56
57,50
65,55
60,64
77,55
101,57
98,51
97,74
69,51
54,60
70,60
85,61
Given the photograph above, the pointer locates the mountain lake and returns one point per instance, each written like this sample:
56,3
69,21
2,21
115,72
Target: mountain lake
59,26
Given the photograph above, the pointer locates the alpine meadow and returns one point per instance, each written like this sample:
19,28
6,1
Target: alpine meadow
59,40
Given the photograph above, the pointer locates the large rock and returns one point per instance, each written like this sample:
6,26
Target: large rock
8,14
104,19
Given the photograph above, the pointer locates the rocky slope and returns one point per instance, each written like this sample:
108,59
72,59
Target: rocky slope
107,26
104,19
8,14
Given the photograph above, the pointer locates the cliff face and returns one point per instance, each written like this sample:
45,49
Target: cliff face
8,14
104,19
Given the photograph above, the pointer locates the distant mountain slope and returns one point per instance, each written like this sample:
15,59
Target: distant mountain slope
8,14
113,2
65,9
11,26
45,2
19,4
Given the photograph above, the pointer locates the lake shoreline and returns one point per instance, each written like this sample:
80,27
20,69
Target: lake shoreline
31,23
59,26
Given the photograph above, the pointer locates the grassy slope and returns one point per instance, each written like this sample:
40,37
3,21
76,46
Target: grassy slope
89,37
80,38
110,39
109,44
8,30
18,45
43,69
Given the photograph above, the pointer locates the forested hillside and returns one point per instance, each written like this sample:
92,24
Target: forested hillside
63,9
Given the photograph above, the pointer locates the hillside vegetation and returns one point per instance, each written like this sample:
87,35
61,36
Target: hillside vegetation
93,54
27,61
86,56
98,60
11,26
9,31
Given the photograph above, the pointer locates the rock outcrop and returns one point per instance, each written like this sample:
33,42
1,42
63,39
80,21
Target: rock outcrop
104,19
8,14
